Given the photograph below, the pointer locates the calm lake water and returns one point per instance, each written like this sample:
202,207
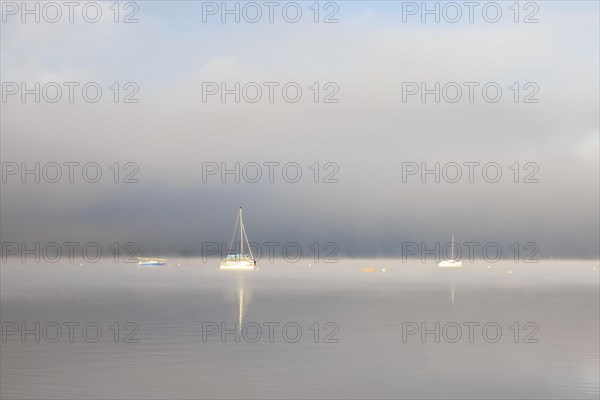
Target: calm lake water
360,332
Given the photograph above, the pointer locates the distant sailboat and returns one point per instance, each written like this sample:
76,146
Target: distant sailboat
451,263
239,259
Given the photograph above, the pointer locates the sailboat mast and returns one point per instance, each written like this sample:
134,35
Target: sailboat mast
453,247
241,233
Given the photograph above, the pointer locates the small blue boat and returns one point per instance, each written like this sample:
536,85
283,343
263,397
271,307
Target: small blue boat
151,262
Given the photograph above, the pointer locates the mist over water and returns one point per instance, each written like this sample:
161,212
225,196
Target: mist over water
364,204
365,313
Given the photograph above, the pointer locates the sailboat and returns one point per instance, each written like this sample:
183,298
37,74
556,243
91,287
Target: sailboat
239,259
451,263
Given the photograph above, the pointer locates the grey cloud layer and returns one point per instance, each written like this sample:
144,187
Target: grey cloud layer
171,132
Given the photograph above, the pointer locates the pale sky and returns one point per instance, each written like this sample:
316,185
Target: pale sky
369,133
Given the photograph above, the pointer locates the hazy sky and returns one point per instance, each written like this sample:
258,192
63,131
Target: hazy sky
369,133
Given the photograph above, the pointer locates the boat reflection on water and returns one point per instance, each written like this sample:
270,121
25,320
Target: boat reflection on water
241,308
243,296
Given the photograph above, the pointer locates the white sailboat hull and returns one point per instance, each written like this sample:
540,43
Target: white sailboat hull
238,264
450,264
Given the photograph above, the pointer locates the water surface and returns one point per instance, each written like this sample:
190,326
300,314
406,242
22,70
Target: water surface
358,352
